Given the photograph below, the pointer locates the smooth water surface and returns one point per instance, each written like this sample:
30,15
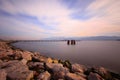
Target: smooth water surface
91,53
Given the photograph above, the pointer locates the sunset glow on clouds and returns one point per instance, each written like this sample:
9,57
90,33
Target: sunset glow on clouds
37,19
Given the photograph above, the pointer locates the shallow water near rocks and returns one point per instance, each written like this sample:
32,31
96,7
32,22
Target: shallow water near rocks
90,53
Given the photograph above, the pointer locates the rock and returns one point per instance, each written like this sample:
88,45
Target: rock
18,55
35,74
12,65
59,75
55,61
78,68
37,58
26,55
24,61
5,55
116,76
36,54
20,75
60,79
94,76
3,74
102,72
30,65
57,70
67,64
16,70
72,76
43,59
3,45
37,66
56,67
60,61
81,74
49,60
44,76
10,55
87,72
1,61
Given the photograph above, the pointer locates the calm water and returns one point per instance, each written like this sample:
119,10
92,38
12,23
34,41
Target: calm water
91,53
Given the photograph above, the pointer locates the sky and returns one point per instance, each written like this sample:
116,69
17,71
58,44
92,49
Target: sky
39,19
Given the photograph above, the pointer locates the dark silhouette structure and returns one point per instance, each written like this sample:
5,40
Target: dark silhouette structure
72,42
68,42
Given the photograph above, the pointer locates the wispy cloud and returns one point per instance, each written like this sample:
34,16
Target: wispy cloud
38,19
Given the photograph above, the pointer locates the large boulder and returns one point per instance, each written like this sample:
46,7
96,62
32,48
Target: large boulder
56,67
12,65
78,68
20,74
57,70
72,76
44,76
3,74
94,76
53,65
16,70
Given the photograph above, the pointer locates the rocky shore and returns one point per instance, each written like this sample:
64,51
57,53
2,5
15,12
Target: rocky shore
16,64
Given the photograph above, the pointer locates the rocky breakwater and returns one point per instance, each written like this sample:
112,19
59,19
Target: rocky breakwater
16,64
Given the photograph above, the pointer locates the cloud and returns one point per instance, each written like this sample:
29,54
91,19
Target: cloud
48,18
11,27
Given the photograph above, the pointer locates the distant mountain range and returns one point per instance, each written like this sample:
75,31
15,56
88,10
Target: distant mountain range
86,38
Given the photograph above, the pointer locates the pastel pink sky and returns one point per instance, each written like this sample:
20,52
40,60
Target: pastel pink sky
38,19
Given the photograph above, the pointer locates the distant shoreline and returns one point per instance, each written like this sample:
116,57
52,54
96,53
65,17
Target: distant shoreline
57,40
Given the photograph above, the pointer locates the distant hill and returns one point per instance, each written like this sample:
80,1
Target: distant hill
86,38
